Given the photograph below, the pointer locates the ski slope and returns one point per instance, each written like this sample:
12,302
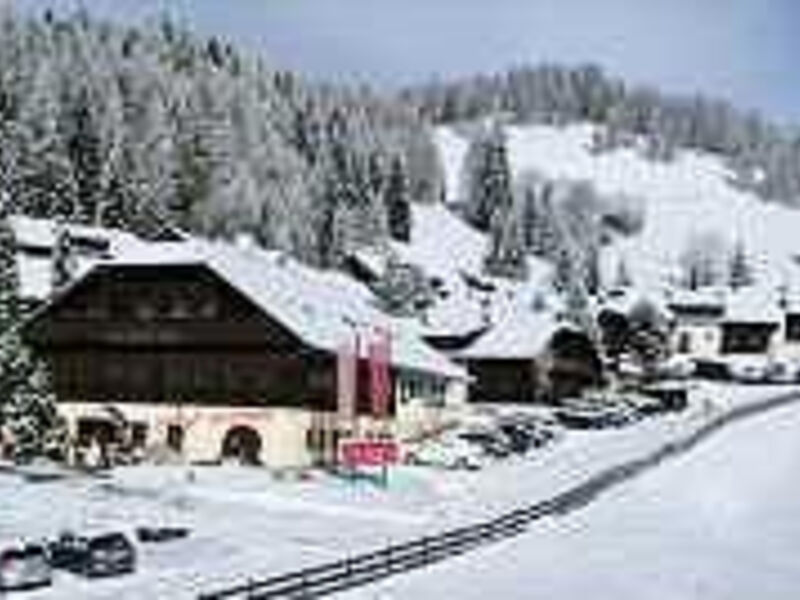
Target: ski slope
720,522
690,196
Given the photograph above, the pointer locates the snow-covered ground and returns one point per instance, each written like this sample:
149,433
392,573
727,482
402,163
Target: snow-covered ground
246,523
721,522
690,196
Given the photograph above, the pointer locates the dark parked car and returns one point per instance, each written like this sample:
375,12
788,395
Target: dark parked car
102,555
593,414
520,439
23,567
538,433
494,444
160,534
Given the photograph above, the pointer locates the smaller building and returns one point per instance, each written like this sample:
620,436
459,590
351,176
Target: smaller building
751,320
695,318
529,356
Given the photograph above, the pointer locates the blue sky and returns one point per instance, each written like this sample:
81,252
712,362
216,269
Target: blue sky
739,49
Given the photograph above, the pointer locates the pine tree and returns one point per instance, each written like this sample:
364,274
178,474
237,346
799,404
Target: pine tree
623,276
83,147
740,273
507,252
489,182
12,364
27,405
9,307
63,265
397,202
541,225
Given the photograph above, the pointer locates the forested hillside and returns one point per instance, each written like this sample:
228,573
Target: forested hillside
149,127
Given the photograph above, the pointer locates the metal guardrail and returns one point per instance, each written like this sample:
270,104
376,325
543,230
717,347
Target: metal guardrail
318,581
364,568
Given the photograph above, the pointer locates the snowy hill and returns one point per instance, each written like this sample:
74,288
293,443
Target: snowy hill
452,251
687,198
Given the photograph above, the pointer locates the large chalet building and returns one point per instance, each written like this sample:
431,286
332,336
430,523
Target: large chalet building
208,350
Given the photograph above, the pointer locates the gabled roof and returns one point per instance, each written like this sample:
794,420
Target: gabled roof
324,309
521,334
752,305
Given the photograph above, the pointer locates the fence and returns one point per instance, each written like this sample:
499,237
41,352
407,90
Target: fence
352,572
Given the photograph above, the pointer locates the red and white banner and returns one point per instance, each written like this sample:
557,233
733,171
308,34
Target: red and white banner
380,380
347,378
369,453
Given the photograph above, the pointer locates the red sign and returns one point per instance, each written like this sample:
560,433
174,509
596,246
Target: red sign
370,453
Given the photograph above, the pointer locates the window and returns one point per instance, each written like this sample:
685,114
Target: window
175,437
139,434
685,342
793,327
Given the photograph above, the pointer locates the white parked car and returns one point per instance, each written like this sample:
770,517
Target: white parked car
749,369
677,367
449,453
783,370
23,566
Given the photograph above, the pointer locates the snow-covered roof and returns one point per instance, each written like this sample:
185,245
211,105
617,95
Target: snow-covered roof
36,238
752,305
521,333
454,316
41,233
625,300
325,309
686,298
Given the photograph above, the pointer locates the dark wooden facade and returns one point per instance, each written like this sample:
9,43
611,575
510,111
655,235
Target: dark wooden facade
504,380
746,338
568,365
175,334
792,327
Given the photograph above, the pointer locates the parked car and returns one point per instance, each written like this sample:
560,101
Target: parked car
677,367
491,442
450,453
520,438
103,555
783,370
713,370
595,414
668,396
160,534
23,566
539,431
749,369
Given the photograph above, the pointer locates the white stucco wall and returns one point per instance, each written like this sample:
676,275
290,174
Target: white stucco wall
282,430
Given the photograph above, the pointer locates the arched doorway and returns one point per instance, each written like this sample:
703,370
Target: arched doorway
242,443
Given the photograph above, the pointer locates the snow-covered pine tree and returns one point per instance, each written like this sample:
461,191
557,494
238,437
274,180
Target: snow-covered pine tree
44,182
740,272
541,228
27,405
63,263
9,305
507,252
489,181
12,370
623,277
80,132
398,204
702,260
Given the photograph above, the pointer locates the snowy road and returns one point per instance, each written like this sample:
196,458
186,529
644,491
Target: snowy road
720,522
